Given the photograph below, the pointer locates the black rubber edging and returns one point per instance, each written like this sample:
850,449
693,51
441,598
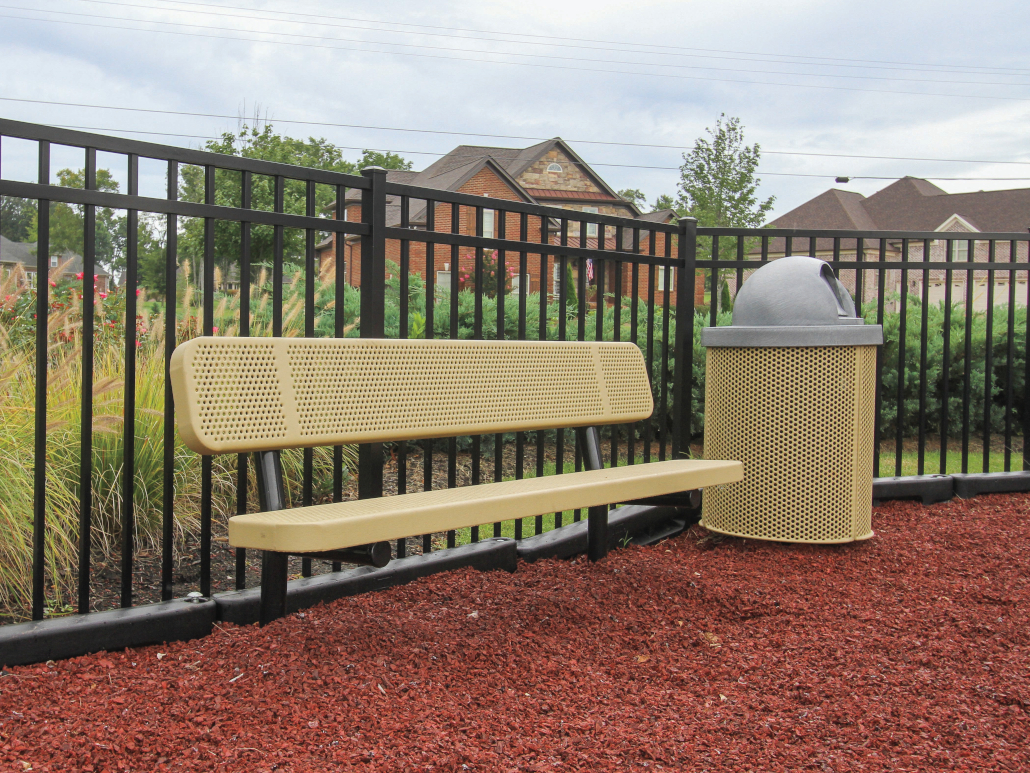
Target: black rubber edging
624,523
116,629
931,489
974,484
244,607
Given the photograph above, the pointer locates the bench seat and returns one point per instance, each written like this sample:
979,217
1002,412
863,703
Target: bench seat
364,521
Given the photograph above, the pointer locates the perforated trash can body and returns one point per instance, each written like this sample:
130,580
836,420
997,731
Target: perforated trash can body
795,403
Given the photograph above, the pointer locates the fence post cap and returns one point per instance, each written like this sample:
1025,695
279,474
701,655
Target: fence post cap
368,171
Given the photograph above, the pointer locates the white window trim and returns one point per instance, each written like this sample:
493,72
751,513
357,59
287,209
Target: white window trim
591,227
660,278
516,283
559,170
488,223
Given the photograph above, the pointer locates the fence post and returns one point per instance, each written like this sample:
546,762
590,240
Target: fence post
373,305
684,357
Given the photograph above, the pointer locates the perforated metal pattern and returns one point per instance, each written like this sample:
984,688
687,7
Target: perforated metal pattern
627,393
389,387
801,421
332,391
238,395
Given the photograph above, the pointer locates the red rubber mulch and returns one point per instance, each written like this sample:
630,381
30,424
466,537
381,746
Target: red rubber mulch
907,652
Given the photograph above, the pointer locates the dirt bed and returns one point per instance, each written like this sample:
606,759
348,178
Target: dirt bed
907,652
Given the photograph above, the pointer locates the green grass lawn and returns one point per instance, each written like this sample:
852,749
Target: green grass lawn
932,461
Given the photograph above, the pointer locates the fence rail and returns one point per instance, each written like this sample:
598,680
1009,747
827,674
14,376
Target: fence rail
598,277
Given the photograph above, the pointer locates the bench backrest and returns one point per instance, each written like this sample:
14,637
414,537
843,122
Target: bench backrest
234,395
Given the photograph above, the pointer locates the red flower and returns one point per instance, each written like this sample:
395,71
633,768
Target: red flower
78,275
138,292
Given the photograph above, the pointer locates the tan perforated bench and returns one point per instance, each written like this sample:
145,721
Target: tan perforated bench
238,395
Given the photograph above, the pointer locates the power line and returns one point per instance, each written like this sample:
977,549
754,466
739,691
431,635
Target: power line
483,51
815,59
489,136
323,23
592,164
507,62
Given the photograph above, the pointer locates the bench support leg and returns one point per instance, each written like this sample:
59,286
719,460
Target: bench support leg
597,533
273,586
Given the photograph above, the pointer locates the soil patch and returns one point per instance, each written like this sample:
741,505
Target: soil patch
908,652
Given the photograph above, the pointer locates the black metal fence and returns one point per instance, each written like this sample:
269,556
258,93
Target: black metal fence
567,245
953,370
597,276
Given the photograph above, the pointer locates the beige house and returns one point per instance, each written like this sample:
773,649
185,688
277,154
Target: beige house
912,204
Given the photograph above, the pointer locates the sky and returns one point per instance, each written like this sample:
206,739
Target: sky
820,86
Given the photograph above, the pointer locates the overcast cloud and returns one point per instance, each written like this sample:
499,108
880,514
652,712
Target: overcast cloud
945,80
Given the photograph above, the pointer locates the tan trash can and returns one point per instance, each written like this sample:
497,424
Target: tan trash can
790,392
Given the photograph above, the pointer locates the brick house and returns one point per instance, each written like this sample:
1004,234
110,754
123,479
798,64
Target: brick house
549,173
913,204
19,259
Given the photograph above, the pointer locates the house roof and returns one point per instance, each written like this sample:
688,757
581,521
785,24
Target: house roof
911,204
18,252
25,253
451,171
549,193
659,216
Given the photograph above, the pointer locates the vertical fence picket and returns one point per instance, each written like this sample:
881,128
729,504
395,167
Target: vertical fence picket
168,487
242,472
310,277
924,318
129,409
946,360
208,301
988,395
39,470
89,252
967,375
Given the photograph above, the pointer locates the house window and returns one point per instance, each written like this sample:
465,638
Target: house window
962,250
554,168
488,223
660,277
591,227
53,261
558,277
516,283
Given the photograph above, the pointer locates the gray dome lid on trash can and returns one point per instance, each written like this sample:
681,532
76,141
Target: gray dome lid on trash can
794,301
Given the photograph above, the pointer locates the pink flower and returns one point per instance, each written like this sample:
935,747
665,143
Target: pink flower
53,283
138,292
102,295
78,275
214,330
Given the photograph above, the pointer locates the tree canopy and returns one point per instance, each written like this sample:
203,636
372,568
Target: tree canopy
717,183
634,196
16,219
267,145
